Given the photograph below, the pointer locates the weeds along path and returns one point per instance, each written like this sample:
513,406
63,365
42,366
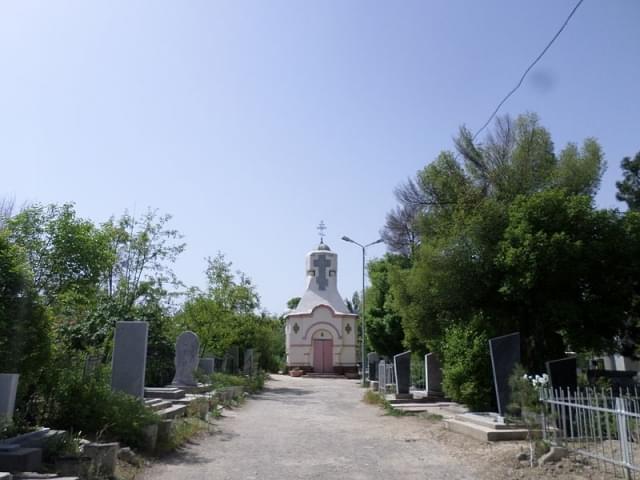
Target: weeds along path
302,428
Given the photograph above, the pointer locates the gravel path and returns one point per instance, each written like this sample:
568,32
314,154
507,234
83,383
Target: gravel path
302,428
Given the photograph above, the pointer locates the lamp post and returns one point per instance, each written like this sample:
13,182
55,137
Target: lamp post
362,309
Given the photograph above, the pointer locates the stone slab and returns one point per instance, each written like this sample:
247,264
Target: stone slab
170,393
402,369
187,359
104,457
433,373
248,362
173,411
505,354
21,460
488,420
485,434
207,365
563,373
372,361
8,390
130,358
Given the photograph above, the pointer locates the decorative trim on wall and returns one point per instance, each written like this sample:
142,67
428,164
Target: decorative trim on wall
304,337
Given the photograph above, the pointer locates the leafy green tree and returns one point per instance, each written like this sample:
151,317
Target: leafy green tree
384,324
629,187
292,304
67,255
226,314
467,376
565,274
24,322
466,217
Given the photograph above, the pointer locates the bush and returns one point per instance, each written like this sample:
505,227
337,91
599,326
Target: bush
24,322
466,375
221,380
86,404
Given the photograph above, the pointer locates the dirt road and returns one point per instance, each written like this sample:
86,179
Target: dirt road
303,428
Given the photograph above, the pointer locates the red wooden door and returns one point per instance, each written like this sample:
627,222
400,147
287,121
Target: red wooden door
323,356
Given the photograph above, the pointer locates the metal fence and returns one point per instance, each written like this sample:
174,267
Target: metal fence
602,425
386,377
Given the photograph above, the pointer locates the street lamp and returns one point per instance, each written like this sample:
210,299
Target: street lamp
363,247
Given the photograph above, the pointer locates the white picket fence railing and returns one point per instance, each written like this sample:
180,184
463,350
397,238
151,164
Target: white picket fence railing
598,424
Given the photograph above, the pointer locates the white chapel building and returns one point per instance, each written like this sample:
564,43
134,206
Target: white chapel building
320,331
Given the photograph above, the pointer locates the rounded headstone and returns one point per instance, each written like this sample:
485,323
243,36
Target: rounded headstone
187,359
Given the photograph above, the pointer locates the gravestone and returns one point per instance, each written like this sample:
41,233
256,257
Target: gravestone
433,373
232,360
91,364
372,360
382,376
248,362
402,370
563,373
505,354
256,361
187,359
129,358
207,365
218,364
8,389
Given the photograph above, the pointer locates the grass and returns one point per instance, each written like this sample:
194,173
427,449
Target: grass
183,430
373,398
432,417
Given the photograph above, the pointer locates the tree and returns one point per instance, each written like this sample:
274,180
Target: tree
471,226
565,275
384,324
226,314
629,187
67,255
293,303
24,322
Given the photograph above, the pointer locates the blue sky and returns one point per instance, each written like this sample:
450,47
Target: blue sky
251,121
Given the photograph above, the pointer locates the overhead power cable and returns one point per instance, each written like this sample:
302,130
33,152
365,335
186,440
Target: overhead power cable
529,68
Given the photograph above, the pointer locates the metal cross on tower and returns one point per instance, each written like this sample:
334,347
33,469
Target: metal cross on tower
321,228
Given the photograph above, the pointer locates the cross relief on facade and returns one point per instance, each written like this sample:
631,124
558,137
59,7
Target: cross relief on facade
322,264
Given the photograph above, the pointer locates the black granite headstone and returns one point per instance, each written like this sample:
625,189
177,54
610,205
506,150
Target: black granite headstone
372,360
505,354
433,371
563,373
402,367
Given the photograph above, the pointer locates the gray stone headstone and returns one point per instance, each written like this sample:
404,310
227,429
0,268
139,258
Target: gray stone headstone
372,360
433,373
232,358
129,358
218,364
505,354
207,365
187,359
91,364
563,373
382,376
8,389
402,367
248,361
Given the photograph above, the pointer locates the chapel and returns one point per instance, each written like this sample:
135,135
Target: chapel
320,331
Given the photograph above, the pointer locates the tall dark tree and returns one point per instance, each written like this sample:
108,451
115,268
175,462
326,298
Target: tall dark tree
629,187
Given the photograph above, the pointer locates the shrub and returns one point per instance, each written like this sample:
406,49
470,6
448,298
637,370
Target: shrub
466,375
86,404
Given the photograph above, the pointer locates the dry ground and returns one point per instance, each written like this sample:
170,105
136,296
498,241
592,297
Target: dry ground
303,428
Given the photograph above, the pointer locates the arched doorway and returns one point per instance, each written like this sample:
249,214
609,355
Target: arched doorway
322,352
